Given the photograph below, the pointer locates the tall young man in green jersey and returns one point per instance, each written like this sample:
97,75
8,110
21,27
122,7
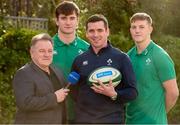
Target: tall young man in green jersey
67,45
155,74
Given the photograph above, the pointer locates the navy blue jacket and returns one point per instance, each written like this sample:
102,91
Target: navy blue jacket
92,107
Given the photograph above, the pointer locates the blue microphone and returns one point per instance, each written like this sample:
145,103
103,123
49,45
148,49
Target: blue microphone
73,78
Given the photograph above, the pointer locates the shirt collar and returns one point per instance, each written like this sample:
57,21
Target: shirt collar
61,43
148,48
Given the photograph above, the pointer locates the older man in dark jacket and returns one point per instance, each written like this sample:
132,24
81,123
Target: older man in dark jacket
38,87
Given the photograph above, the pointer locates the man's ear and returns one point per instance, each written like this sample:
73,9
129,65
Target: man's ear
108,31
77,23
31,51
86,34
151,29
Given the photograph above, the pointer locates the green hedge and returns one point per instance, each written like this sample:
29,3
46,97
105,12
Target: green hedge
14,53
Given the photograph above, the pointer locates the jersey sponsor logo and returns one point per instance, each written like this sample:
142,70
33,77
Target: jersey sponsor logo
85,63
109,61
103,74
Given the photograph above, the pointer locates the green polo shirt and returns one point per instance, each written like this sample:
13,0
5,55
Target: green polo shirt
63,57
152,68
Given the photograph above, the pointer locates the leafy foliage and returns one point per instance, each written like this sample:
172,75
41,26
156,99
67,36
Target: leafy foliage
14,46
165,15
120,41
117,12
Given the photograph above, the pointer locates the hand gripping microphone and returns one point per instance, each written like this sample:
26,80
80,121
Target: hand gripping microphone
73,78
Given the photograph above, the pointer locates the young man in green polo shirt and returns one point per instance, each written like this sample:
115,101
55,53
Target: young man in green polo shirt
155,74
67,45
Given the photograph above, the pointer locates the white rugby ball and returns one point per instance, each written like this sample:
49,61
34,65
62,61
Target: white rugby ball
105,74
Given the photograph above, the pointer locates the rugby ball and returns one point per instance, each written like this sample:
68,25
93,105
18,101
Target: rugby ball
105,74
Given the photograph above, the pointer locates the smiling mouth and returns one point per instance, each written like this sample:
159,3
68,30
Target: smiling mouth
96,41
46,59
68,27
137,35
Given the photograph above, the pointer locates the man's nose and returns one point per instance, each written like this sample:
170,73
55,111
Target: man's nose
46,53
96,33
137,30
68,21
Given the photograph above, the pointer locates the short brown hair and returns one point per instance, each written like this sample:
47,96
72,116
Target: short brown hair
141,16
96,18
41,36
67,8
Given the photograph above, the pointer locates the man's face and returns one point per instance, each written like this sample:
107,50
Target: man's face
140,31
41,53
97,34
67,24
